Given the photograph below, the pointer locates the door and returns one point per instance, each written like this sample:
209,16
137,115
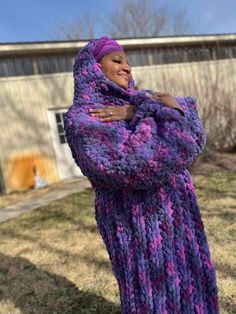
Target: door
65,163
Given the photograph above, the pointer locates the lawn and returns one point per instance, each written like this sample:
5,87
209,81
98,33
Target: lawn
53,260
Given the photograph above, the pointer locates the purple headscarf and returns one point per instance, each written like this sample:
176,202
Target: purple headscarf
104,46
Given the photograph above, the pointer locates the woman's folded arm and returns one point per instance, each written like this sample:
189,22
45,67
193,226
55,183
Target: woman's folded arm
158,145
149,107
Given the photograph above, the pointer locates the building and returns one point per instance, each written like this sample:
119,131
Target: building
37,88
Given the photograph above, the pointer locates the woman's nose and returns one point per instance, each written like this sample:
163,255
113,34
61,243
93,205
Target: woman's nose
127,68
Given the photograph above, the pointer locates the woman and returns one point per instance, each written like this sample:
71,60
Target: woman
145,204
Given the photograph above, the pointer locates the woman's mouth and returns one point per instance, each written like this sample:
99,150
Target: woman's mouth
126,76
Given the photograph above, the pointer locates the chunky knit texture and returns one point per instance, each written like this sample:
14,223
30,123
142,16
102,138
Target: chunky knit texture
145,203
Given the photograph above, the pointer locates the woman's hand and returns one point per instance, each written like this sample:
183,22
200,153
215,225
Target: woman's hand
167,100
113,113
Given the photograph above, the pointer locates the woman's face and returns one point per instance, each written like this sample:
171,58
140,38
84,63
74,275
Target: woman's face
116,67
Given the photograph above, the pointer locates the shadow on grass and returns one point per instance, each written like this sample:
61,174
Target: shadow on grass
69,212
33,291
61,253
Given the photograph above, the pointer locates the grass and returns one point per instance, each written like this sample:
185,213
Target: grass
53,260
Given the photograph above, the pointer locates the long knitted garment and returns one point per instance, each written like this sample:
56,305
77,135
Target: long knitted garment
145,203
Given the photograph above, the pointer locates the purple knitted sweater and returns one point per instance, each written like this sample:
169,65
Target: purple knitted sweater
145,204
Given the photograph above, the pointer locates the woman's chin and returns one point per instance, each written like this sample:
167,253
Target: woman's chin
124,85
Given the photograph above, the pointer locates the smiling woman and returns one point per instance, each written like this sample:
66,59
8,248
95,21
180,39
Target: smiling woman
116,67
145,203
113,60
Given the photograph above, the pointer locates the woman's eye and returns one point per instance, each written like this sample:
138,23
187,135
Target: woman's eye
117,61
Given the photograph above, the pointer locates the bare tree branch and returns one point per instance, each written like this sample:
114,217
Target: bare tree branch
80,28
181,24
140,18
132,18
145,18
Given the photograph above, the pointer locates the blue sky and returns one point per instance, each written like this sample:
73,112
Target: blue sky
37,20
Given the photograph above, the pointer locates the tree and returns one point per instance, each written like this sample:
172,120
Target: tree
132,18
145,18
181,24
80,28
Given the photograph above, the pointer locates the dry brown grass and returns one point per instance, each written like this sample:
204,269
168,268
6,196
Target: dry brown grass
53,261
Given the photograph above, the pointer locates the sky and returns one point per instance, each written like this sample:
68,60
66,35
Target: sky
38,20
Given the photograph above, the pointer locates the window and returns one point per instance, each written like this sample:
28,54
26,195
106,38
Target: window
16,67
233,52
156,56
223,52
60,126
64,63
36,65
134,58
204,54
144,57
55,64
3,68
139,56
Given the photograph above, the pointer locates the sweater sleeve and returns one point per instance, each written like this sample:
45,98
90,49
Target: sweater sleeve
195,126
189,105
157,145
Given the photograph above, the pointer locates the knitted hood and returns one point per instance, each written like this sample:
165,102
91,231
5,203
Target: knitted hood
92,86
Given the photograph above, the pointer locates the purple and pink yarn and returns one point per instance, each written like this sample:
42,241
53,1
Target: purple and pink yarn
145,203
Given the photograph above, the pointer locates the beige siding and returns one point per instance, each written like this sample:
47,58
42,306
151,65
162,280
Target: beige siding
25,138
198,79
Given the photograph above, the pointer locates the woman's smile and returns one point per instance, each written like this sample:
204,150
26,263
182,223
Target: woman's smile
116,67
125,76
